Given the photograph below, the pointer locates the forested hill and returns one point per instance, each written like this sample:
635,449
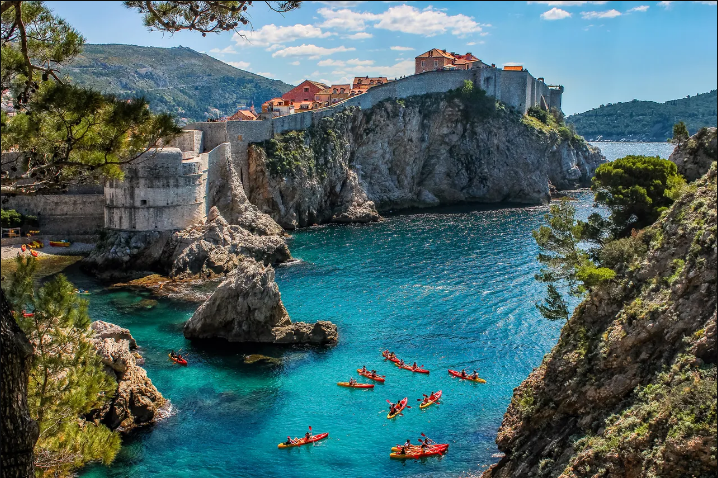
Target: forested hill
645,120
191,85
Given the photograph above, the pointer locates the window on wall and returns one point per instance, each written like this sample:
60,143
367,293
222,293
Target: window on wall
306,88
423,63
436,63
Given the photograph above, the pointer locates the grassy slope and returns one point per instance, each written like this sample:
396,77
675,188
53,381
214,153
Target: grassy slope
176,80
646,120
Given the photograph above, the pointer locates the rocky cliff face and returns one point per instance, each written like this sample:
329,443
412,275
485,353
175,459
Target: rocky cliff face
630,388
418,152
695,156
205,250
247,307
137,401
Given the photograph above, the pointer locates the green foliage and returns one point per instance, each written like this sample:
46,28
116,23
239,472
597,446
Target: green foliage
538,113
618,254
680,132
592,276
190,92
636,189
67,378
554,307
73,132
478,104
11,218
287,153
201,16
647,120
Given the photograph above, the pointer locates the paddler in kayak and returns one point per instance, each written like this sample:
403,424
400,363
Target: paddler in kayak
401,363
363,368
307,436
352,382
173,354
426,399
289,441
463,373
415,366
475,375
373,374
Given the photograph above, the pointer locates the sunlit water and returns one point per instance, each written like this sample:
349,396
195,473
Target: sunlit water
448,288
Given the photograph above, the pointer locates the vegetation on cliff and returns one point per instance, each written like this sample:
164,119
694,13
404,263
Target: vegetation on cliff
630,388
646,120
67,378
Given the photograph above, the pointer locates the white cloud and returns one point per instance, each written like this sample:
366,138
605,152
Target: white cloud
471,43
401,68
358,62
401,48
224,51
605,14
555,14
312,51
264,73
427,22
345,19
402,18
242,65
359,36
640,8
272,34
296,63
568,4
665,5
330,62
708,3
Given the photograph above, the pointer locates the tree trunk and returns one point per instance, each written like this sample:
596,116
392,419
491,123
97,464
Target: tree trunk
18,432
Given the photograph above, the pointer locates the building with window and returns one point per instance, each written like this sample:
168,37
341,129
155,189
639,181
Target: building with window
305,91
366,82
436,59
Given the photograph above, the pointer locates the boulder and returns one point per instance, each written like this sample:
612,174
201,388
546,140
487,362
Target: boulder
247,307
695,156
137,402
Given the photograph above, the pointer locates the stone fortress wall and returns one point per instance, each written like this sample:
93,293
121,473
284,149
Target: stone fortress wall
518,89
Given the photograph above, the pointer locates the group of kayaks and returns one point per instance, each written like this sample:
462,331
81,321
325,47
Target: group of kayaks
426,447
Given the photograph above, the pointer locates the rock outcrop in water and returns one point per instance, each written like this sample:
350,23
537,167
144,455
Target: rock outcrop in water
695,156
204,251
630,388
418,152
247,307
137,401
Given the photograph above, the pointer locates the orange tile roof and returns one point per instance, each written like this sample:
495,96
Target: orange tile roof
434,52
243,115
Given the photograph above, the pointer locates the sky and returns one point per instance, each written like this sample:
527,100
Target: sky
601,52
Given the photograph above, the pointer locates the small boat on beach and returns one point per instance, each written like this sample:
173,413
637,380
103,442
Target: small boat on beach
62,243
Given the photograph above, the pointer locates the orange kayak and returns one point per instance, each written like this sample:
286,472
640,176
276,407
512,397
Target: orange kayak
397,411
34,253
178,361
23,247
413,454
303,441
409,367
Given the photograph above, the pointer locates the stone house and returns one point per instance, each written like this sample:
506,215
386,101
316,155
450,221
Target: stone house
365,82
436,59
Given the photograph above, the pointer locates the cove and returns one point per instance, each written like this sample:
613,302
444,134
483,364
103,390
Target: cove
449,288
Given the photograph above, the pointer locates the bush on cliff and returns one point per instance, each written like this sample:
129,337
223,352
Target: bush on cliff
67,378
479,105
636,189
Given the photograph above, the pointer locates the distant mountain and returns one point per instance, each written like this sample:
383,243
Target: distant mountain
645,120
191,85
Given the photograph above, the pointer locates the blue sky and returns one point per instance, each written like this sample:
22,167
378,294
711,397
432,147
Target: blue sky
602,52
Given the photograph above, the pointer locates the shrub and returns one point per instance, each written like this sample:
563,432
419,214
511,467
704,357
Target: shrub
10,218
620,253
538,113
478,104
680,132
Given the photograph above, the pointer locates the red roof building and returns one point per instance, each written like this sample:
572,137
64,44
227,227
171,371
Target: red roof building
305,91
436,59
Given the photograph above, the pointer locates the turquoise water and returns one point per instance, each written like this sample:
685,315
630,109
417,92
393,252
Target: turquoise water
448,288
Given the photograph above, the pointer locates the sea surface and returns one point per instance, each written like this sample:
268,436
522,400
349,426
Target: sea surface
447,288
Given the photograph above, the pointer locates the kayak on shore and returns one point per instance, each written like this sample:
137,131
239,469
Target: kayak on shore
468,377
397,410
303,441
367,374
355,385
433,398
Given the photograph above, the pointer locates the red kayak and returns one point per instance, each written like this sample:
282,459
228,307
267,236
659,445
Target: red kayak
303,441
386,357
367,374
409,367
414,454
398,410
179,361
356,385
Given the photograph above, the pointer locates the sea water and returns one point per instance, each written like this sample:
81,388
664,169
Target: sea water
449,288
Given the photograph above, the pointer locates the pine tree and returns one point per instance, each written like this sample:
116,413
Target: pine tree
554,307
67,378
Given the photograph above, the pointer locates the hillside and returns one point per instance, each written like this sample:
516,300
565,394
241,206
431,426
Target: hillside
645,120
175,80
630,388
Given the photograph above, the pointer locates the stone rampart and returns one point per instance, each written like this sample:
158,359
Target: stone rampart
159,192
61,214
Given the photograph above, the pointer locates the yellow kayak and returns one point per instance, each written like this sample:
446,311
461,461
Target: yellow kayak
458,375
399,409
